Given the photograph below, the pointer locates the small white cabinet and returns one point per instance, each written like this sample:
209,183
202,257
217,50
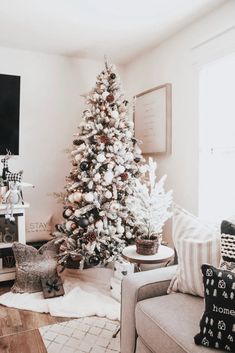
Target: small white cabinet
8,234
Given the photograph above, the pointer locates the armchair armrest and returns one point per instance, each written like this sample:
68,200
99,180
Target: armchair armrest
136,287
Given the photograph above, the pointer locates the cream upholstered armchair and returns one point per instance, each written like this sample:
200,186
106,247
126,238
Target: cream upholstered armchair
153,322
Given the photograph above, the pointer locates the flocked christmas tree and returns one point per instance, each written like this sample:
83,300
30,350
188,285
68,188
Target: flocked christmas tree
106,161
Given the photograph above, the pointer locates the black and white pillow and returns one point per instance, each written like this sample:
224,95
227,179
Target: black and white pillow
227,246
217,325
16,177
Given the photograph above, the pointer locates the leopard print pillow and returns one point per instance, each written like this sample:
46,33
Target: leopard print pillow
32,265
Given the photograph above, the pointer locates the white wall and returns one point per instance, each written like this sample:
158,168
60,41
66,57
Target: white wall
177,61
50,109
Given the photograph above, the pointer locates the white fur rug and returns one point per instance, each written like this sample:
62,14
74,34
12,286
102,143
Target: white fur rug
87,293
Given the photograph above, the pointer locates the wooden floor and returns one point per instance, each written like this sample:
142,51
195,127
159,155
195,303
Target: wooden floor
19,329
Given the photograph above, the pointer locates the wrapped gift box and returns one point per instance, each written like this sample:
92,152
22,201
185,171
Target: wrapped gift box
122,268
52,287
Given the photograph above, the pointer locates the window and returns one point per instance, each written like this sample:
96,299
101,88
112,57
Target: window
217,139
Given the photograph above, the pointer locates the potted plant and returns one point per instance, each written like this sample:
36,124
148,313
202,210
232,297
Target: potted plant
149,205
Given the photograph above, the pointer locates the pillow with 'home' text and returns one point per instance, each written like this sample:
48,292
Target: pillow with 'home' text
217,325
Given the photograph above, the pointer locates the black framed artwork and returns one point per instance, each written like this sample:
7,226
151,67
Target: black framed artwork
9,113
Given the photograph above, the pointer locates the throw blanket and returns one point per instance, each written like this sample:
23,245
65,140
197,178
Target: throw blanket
87,293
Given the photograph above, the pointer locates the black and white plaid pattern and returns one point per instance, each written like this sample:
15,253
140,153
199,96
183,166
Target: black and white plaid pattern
14,176
5,163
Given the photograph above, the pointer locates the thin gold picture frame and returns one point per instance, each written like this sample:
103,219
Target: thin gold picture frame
166,119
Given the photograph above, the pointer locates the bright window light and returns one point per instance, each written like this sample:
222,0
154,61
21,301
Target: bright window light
217,139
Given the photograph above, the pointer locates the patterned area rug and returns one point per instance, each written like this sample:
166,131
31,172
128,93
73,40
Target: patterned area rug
85,335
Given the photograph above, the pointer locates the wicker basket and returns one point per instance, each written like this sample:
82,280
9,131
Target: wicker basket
147,246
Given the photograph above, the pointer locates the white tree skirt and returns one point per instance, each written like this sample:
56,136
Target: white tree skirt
87,293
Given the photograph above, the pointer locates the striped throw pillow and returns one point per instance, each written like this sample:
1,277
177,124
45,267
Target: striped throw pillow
196,243
227,246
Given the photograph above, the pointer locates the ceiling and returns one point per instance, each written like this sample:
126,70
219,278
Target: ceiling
91,28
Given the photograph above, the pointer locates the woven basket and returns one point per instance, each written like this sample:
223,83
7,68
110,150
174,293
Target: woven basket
147,246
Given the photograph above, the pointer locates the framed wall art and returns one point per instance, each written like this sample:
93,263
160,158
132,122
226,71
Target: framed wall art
152,119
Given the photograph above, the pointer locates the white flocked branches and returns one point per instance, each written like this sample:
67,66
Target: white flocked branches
149,204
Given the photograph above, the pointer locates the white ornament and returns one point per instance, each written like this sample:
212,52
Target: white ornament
77,196
111,165
68,225
115,114
90,185
108,177
120,229
97,177
68,212
71,199
77,213
108,194
128,235
105,94
101,158
78,157
119,169
99,225
89,197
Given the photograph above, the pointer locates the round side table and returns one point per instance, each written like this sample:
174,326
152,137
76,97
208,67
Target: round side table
163,256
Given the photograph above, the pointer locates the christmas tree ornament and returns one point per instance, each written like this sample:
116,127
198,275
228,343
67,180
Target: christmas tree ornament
67,212
84,166
97,177
101,158
119,169
99,225
89,197
112,76
90,237
90,185
105,94
108,177
94,260
110,98
83,222
119,196
104,139
77,196
70,226
108,194
71,198
129,235
124,176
